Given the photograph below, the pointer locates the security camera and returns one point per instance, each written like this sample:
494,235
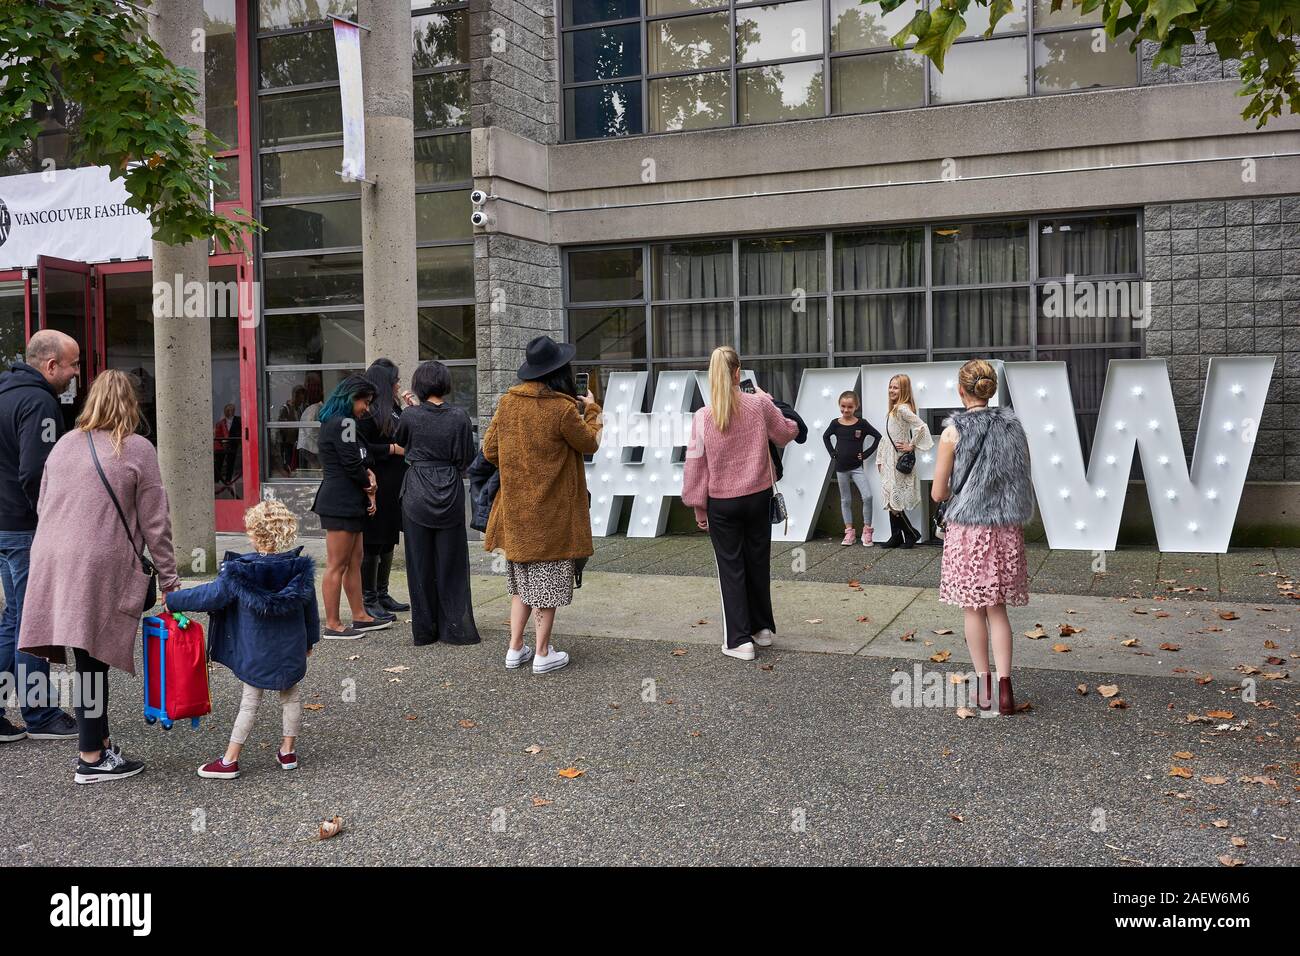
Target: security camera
478,197
479,218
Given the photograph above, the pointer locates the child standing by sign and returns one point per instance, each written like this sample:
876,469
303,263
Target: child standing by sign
855,442
264,622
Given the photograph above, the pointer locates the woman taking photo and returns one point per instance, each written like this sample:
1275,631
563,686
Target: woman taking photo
383,528
983,473
439,443
541,517
905,435
87,560
728,482
345,498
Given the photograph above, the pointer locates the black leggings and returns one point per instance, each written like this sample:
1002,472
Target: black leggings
92,701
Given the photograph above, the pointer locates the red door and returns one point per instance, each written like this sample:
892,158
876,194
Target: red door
65,305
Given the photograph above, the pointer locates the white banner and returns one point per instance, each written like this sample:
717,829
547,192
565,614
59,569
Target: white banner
77,214
347,46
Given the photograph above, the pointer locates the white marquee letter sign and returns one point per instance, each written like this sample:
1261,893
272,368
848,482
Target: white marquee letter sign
1192,512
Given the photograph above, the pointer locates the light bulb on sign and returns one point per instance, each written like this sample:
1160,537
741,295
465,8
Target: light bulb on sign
808,456
1055,460
1049,428
817,423
1191,526
920,386
1065,492
1237,389
1171,494
1120,426
1163,459
645,521
672,386
1101,492
948,385
604,477
1042,393
1080,525
609,454
1211,494
927,458
621,408
1137,391
826,393
1153,425
601,500
1220,460
622,387
1228,426
1110,459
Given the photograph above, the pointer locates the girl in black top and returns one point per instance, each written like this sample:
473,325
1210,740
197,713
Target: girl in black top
384,527
439,443
855,442
344,498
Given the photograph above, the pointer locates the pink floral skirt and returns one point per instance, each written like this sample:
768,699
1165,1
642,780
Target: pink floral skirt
984,566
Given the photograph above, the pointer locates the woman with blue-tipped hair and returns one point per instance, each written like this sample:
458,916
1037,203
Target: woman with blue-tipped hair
345,497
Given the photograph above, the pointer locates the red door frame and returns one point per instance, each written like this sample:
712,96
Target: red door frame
43,265
229,511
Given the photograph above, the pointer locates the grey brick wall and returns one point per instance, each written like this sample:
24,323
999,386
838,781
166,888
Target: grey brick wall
1200,64
517,288
1225,280
513,67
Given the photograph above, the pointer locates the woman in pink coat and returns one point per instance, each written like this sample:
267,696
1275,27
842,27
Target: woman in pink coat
86,572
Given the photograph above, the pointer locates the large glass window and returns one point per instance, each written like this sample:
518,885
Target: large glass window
1054,288
312,283
670,65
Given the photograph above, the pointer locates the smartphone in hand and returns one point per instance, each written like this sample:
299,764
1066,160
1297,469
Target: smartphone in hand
747,386
583,380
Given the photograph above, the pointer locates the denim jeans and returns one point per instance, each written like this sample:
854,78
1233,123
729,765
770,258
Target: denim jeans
858,476
15,556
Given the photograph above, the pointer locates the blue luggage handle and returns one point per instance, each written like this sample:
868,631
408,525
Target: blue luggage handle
154,627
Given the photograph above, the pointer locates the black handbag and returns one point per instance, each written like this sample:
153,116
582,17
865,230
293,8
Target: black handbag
906,461
151,595
776,510
939,518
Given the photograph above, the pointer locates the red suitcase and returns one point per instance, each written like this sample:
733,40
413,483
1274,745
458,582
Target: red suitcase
175,670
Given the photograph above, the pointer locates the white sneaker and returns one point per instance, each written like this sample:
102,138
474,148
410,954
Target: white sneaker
745,652
549,662
518,658
763,638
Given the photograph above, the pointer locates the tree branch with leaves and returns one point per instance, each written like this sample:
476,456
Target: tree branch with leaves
136,109
1260,34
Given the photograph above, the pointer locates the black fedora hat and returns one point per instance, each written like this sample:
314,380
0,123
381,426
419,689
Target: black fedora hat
544,355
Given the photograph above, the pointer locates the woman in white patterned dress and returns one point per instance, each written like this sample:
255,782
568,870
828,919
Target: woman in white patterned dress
904,432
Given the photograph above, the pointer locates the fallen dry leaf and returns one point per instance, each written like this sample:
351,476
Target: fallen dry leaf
1068,629
1184,772
1219,714
1204,679
330,828
957,817
1214,781
1083,690
533,749
863,619
1184,755
542,802
1221,824
1228,860
396,670
1170,647
571,773
1117,703
941,657
947,630
1108,690
908,635
466,724
1131,642
679,652
1238,841
1228,616
1061,648
1023,706
964,712
1036,633
313,706
765,667
814,620
412,716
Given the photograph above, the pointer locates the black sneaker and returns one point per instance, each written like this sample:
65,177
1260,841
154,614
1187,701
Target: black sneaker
111,766
346,634
61,727
378,624
379,614
114,748
9,733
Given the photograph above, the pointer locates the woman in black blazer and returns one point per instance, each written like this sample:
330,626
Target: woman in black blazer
343,500
383,528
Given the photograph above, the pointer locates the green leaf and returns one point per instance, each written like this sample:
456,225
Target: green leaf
1165,11
945,27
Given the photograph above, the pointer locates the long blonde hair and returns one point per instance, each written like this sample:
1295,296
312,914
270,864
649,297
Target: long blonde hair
904,394
111,406
723,364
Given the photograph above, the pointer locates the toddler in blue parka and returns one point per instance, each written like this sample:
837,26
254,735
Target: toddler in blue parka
263,623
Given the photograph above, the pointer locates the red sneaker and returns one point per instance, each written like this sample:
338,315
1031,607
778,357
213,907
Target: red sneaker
287,761
220,770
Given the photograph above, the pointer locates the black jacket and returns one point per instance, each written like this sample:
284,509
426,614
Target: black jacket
484,483
30,423
343,462
789,412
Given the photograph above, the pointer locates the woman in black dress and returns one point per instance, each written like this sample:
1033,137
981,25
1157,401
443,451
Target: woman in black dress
383,528
439,443
343,500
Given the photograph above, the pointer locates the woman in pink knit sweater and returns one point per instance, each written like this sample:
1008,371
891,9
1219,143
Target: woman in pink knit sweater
729,484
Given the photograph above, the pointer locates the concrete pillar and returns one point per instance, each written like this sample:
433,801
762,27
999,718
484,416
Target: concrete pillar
388,207
183,345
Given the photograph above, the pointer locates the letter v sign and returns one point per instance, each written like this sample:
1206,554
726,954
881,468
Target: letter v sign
1192,512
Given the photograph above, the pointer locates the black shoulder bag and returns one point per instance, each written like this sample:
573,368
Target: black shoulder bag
151,595
907,460
940,511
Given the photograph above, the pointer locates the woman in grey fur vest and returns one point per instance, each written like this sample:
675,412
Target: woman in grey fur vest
983,466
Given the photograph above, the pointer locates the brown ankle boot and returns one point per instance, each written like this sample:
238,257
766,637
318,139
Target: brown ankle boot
1006,700
984,691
